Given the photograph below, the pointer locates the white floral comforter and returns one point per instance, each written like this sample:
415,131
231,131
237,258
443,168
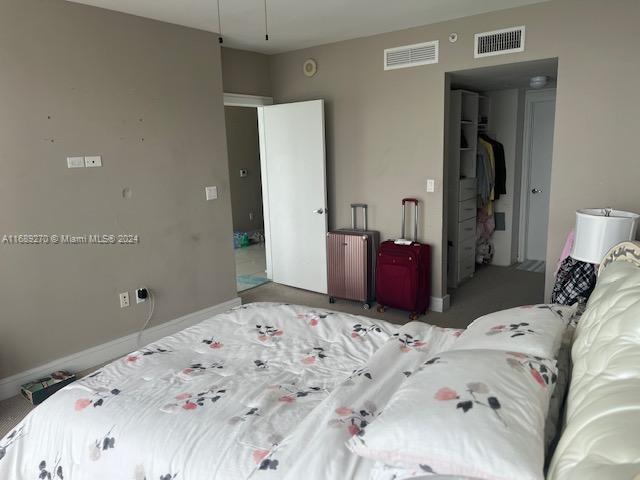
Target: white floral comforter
262,391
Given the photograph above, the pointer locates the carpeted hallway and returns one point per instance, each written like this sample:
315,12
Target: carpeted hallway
491,289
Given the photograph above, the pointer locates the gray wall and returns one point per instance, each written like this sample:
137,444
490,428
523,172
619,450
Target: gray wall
385,130
147,97
244,153
245,72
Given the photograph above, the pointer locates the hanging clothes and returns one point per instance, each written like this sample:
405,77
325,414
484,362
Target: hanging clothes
485,173
485,224
491,174
500,164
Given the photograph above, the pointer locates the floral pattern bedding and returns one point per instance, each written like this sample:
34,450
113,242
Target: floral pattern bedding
262,391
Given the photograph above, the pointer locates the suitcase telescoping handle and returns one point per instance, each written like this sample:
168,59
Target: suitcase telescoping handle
415,225
354,209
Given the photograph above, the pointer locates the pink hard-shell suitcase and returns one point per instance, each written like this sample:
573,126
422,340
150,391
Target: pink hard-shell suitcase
351,257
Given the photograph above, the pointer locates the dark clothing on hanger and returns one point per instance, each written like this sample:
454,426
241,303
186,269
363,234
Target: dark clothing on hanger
501,170
500,187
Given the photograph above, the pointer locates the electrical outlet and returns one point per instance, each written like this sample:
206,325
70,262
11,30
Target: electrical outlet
431,185
141,295
124,299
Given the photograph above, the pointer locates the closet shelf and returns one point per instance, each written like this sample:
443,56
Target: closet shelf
464,116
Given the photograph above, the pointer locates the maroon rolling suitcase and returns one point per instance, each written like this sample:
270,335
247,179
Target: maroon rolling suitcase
403,272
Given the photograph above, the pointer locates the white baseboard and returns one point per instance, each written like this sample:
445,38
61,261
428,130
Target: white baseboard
79,361
440,304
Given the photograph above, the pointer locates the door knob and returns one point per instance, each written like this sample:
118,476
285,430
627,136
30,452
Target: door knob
536,190
319,211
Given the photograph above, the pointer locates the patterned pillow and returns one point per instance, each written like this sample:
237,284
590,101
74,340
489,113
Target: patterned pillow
532,329
472,413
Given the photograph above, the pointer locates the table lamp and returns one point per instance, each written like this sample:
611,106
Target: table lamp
599,229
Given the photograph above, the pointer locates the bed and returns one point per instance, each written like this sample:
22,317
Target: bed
262,391
602,417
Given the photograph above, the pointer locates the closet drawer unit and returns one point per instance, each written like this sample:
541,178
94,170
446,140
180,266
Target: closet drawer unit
467,189
466,267
466,249
467,230
466,209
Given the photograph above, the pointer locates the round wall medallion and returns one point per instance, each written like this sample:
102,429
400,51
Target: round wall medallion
310,67
453,37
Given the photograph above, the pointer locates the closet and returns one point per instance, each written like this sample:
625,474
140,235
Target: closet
468,115
498,150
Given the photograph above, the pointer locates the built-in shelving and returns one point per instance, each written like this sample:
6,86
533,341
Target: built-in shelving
469,114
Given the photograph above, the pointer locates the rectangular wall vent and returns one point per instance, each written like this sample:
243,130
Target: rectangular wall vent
499,42
411,55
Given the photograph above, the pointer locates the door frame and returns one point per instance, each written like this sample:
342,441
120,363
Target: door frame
242,100
531,97
265,194
257,102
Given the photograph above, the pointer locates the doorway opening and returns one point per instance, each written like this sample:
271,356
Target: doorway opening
498,154
245,183
278,190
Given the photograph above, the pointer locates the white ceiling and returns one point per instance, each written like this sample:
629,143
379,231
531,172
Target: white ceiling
298,24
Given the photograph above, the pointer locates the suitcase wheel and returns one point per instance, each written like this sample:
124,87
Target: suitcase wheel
332,300
366,306
381,308
413,316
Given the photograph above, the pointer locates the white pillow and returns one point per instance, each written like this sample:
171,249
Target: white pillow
532,329
474,413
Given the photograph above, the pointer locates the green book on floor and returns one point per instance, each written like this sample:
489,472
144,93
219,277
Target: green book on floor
39,390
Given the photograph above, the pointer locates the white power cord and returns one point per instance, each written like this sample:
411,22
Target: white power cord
146,323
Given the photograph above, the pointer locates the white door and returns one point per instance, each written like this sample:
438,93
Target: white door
295,195
539,122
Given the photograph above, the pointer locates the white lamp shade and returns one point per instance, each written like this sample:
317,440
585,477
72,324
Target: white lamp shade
596,232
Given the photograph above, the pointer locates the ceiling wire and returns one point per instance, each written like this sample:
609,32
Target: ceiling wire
266,25
220,23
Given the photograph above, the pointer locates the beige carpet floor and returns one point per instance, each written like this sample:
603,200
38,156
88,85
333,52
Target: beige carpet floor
491,289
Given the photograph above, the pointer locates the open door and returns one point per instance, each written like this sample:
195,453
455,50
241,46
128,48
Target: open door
292,154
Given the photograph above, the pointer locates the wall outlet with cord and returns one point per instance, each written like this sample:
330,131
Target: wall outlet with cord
142,294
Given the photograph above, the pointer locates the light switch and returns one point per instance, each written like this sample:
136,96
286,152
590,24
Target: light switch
93,161
431,185
75,162
211,192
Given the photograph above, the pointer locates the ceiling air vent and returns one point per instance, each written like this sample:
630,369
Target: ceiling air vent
411,55
499,42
